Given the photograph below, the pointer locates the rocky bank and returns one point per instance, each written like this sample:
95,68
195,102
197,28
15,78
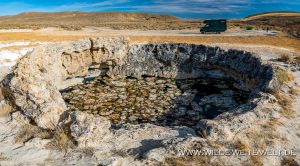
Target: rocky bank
39,88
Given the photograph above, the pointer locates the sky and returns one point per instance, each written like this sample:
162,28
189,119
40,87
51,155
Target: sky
179,8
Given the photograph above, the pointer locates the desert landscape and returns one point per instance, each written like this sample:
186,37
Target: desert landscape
113,88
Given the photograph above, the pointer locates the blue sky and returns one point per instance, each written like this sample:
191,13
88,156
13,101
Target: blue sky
180,8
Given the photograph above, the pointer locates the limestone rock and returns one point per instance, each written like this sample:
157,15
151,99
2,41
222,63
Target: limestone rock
157,154
88,130
35,81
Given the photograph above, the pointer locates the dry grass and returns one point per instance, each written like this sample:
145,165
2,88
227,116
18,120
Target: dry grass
289,161
2,157
286,103
121,153
28,132
284,76
194,161
1,94
263,141
256,161
78,20
5,110
213,144
62,141
295,91
265,136
291,14
188,161
272,125
202,133
285,58
285,22
242,144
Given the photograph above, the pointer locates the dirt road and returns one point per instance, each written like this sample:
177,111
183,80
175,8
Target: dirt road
15,43
232,36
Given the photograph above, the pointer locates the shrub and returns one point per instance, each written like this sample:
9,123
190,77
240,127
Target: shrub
249,28
285,58
62,140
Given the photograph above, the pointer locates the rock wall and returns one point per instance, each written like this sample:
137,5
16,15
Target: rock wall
183,61
34,84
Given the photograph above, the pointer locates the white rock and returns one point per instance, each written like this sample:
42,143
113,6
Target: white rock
157,154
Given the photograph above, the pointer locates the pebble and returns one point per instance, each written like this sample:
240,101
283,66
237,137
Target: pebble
132,118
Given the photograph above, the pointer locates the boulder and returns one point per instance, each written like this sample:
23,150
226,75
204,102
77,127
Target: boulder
88,130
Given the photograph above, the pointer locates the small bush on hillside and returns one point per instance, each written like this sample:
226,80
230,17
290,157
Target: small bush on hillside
285,58
62,141
249,28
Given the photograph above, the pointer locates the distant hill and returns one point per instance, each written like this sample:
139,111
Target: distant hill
274,13
77,20
284,21
85,17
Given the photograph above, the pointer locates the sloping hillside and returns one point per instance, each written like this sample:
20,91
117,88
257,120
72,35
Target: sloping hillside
85,17
77,20
273,14
288,22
